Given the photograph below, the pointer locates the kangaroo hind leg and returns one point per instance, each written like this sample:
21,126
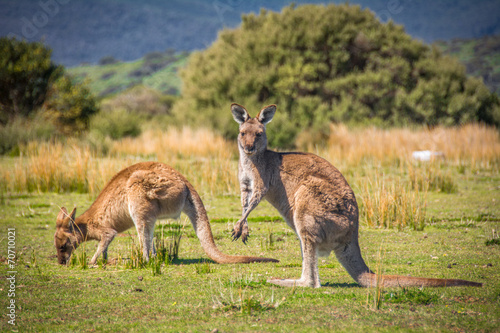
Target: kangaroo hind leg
144,216
310,272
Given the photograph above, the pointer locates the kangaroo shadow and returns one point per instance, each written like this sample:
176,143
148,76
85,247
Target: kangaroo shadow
179,261
341,285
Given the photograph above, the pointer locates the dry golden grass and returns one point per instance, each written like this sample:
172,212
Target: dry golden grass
391,204
174,143
475,144
209,162
58,167
206,159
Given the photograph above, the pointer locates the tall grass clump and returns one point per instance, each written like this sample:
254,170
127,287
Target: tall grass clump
166,243
378,288
477,145
391,204
431,177
59,167
352,147
79,259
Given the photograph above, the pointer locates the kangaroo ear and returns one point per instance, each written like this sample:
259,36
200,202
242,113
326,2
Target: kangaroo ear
64,219
240,114
71,220
61,217
72,215
266,114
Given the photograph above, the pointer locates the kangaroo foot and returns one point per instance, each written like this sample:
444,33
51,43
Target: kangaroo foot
294,283
240,230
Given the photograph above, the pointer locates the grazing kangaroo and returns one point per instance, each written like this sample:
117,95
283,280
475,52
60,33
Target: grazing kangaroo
314,199
138,195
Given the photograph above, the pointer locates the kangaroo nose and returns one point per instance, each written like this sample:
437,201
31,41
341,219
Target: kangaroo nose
250,149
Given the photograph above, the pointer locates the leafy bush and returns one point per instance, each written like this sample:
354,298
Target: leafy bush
323,64
116,124
140,99
69,105
33,90
25,72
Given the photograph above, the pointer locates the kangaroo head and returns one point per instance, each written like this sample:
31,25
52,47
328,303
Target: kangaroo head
252,137
65,239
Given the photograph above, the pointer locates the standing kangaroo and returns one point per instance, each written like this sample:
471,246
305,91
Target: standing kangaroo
314,199
138,195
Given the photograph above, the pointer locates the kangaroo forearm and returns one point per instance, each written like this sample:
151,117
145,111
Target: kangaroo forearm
254,201
244,199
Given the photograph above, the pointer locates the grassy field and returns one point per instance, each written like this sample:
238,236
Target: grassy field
457,198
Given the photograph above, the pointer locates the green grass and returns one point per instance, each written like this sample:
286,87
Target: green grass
195,294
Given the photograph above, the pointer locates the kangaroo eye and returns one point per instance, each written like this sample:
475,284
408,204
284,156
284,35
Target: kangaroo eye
258,134
242,134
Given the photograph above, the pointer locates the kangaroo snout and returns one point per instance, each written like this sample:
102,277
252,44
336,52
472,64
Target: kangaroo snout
249,150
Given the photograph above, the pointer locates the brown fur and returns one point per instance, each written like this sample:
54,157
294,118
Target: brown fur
314,199
138,195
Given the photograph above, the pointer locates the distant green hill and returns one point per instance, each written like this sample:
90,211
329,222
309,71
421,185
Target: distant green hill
481,56
155,70
159,71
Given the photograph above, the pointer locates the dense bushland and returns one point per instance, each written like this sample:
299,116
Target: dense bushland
324,64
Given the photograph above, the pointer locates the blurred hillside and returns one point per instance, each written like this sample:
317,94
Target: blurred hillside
156,70
481,57
81,31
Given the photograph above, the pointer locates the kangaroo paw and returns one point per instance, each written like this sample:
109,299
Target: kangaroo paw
236,232
244,234
240,230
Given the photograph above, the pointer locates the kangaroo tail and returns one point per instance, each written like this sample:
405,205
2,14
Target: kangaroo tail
350,258
196,212
371,280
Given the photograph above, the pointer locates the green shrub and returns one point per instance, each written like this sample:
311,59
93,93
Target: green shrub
116,124
20,131
30,83
70,105
25,72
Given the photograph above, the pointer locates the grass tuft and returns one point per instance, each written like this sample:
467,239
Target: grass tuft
495,240
225,300
417,296
79,258
204,268
166,243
